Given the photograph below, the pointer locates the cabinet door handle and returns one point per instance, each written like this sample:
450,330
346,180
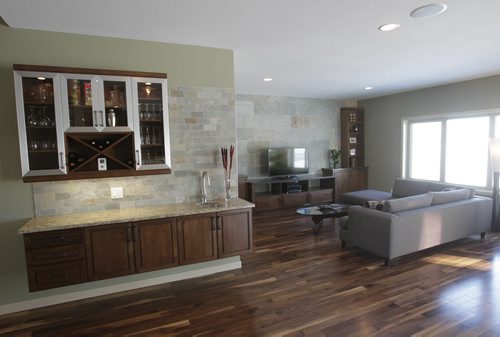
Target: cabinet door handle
95,118
212,222
137,158
102,117
218,221
134,233
128,234
61,161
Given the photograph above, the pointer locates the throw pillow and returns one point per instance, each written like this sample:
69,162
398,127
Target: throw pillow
445,197
377,204
404,204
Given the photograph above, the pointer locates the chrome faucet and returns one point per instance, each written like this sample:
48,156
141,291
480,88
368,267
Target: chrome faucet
205,182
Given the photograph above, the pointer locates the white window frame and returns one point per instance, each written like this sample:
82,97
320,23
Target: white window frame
406,140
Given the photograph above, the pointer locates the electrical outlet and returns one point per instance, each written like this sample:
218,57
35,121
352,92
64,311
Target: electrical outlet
116,192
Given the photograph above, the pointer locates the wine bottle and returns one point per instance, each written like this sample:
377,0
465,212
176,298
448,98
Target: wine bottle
72,159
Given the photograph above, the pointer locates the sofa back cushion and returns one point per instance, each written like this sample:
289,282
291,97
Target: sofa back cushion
405,188
437,187
444,197
404,204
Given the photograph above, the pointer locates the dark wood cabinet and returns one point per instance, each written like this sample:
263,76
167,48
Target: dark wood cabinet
274,193
197,238
295,199
110,251
352,137
155,244
210,236
55,258
349,179
234,231
64,257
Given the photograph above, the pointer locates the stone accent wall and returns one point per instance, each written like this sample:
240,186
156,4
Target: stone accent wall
201,120
268,121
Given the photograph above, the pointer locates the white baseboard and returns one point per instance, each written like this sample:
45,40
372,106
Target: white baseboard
79,295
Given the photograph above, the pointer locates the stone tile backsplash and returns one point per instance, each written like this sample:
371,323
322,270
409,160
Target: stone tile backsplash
201,120
269,121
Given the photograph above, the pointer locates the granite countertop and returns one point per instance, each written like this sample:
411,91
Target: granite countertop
78,220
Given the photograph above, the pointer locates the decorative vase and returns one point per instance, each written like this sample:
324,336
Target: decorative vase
227,188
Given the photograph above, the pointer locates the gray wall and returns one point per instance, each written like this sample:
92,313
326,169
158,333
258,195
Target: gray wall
268,121
384,115
202,116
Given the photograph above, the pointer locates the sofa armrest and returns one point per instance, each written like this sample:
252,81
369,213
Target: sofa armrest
370,229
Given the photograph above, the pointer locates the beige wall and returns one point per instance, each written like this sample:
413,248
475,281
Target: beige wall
384,115
187,66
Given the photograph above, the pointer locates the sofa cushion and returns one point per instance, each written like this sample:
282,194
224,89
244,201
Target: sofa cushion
375,204
405,188
360,197
444,197
437,187
404,204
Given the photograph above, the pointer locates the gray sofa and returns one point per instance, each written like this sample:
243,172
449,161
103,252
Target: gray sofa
415,216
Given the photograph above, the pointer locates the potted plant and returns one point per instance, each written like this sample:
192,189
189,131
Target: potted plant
334,155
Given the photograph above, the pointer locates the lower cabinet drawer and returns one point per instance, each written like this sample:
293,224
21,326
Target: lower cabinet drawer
321,196
57,275
53,238
55,254
294,199
267,202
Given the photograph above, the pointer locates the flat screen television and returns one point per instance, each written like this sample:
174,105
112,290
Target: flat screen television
288,161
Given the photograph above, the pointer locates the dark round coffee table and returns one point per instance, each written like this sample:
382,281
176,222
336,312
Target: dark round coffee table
318,212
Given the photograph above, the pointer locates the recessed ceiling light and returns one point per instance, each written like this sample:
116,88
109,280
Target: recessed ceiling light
41,78
267,79
427,11
368,88
388,27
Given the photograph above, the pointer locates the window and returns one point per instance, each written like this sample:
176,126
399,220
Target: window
451,149
467,151
424,156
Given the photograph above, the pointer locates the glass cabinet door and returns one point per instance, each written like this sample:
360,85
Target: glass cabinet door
116,109
152,136
79,103
39,123
96,103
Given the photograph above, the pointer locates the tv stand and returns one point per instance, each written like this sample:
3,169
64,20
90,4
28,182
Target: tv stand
290,191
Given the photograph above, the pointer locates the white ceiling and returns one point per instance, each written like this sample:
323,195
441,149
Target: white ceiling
312,48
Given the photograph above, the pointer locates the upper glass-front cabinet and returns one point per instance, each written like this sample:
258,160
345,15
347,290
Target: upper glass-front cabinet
77,123
39,121
151,131
96,103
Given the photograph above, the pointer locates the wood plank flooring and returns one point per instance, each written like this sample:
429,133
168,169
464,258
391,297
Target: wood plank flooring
298,284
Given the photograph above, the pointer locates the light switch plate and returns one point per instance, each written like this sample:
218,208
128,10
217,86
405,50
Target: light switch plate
116,192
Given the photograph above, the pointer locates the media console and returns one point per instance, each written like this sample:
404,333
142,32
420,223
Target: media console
291,191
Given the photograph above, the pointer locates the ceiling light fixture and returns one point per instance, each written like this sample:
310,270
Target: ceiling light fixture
427,11
41,78
368,88
267,79
388,27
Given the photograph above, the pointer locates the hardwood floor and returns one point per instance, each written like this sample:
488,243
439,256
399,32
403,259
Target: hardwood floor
298,284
